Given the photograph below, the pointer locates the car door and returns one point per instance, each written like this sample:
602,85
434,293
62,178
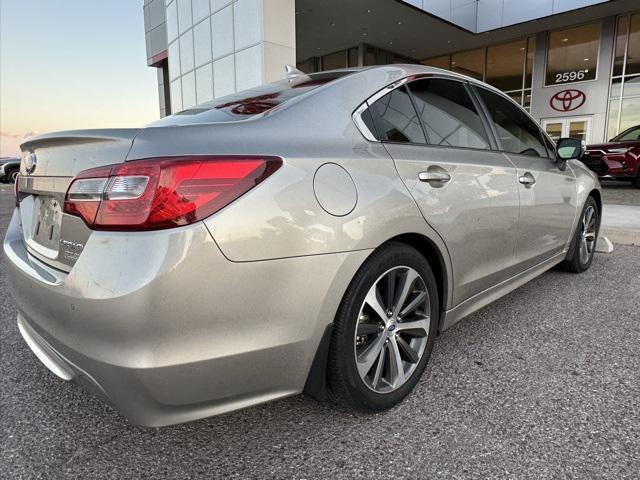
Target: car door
466,191
547,192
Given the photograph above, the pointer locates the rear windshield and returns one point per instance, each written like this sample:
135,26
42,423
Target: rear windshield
250,103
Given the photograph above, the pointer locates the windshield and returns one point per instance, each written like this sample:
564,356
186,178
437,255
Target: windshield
250,103
628,135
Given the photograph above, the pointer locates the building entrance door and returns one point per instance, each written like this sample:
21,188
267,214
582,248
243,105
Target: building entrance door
575,127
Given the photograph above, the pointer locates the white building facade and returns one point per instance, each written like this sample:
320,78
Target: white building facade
574,64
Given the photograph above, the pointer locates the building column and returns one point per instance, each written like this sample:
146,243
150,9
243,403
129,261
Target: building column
219,47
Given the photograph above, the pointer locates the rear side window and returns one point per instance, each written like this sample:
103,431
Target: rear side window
448,114
517,133
396,119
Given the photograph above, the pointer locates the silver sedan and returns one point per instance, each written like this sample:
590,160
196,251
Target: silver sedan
311,235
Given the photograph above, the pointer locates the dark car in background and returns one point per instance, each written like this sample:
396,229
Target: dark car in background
9,169
619,159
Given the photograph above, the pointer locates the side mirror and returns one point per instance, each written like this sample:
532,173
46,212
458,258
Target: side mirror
570,149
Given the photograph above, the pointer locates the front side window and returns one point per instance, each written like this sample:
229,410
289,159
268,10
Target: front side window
630,135
396,119
517,133
573,54
448,114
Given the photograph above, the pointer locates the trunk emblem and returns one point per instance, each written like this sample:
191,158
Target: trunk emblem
30,163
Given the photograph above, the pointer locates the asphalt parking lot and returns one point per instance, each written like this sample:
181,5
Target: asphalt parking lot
544,383
620,193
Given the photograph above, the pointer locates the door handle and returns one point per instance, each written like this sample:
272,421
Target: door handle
434,177
527,179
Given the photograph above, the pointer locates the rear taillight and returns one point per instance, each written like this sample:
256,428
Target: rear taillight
159,193
16,189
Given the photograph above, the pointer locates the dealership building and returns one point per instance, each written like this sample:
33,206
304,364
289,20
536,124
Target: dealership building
574,64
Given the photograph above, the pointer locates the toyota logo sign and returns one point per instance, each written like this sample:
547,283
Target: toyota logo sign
567,100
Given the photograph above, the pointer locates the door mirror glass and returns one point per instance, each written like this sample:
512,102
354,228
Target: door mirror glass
570,148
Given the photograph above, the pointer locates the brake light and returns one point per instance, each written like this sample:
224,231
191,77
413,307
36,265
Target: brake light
16,189
160,193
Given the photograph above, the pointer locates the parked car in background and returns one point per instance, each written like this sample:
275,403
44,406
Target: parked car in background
618,159
316,232
9,169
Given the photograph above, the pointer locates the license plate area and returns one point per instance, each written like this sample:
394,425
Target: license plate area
45,225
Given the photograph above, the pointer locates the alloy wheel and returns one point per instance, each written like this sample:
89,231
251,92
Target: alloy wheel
588,235
392,329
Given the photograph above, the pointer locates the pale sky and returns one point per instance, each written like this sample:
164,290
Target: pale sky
69,64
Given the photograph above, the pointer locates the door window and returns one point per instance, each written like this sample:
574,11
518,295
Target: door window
448,114
517,132
396,119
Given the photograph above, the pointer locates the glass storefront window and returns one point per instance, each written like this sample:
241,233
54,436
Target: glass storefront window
616,87
439,62
621,45
527,100
614,110
633,49
307,66
505,65
517,96
369,56
470,63
624,104
353,57
508,66
629,113
554,130
631,87
578,129
572,54
531,51
334,60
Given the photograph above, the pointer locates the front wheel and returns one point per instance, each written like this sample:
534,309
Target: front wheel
384,330
583,246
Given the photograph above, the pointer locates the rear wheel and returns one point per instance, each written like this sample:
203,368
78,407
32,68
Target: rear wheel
384,330
583,246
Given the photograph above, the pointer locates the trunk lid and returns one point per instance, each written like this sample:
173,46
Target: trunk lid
49,163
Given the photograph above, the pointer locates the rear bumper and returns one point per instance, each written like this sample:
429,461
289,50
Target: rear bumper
168,329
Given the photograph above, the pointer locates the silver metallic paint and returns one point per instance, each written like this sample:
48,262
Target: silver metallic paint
179,324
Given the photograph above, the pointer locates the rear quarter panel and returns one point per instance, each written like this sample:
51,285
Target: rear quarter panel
281,217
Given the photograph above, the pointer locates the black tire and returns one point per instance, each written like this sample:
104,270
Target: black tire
636,181
11,174
574,263
345,383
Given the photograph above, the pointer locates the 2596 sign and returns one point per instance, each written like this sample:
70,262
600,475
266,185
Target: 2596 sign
572,76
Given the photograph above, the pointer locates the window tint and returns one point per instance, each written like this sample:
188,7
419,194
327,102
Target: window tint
256,101
516,131
396,119
448,114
